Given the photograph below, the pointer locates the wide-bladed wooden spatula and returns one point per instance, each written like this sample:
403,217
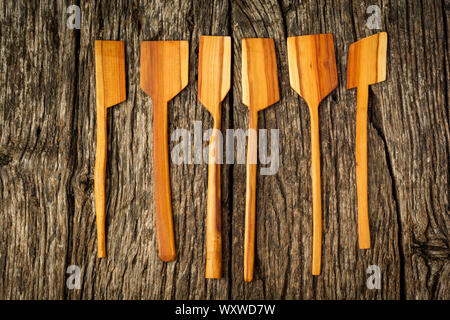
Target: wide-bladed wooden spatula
164,73
214,72
259,90
366,66
313,75
110,90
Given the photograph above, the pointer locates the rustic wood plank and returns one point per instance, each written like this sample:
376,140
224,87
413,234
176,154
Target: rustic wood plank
47,155
37,103
413,122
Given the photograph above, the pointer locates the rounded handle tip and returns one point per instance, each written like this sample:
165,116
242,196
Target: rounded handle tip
167,257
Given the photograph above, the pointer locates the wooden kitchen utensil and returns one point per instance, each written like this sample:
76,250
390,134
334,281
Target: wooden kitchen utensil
259,90
366,66
164,73
214,72
110,90
313,75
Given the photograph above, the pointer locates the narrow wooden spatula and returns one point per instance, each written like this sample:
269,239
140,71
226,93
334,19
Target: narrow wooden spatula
164,73
214,72
366,66
110,90
259,90
313,75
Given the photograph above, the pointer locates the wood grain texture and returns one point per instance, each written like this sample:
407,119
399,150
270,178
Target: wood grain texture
259,74
367,61
47,156
164,73
313,75
214,72
361,167
312,67
259,91
110,89
366,66
214,75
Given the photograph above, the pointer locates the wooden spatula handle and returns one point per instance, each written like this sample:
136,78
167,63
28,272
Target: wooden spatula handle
213,213
250,197
99,179
361,166
164,219
316,191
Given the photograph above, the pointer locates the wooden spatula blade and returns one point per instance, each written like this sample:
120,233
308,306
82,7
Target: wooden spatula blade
259,73
110,72
367,61
312,66
214,71
164,68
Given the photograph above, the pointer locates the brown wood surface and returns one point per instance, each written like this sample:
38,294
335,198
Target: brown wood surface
47,155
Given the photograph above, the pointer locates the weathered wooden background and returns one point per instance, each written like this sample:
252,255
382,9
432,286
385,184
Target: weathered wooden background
47,147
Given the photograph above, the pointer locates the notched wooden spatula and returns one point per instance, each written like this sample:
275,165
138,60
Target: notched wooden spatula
110,90
214,72
366,66
259,90
164,73
313,75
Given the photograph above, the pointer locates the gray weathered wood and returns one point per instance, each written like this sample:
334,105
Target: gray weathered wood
47,150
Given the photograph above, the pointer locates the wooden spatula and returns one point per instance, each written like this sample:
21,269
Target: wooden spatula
313,75
110,90
164,73
366,66
259,90
214,72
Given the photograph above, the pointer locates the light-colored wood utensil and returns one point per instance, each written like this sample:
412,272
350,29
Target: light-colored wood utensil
259,90
366,66
214,72
164,73
313,75
110,90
